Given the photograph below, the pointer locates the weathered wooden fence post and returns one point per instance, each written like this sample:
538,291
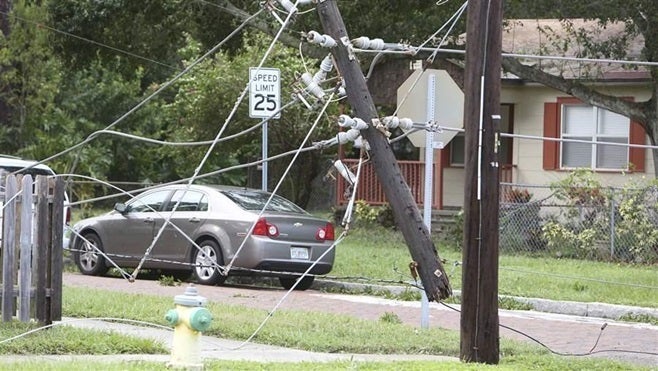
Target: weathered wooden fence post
57,253
8,249
32,264
40,262
25,255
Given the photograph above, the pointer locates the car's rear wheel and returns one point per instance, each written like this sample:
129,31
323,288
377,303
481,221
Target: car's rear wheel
207,259
304,284
89,257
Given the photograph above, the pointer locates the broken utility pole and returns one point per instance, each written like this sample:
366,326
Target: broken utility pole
479,316
398,194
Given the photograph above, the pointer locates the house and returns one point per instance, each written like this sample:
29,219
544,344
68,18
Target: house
531,111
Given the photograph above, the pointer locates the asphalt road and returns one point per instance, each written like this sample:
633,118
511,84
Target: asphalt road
567,334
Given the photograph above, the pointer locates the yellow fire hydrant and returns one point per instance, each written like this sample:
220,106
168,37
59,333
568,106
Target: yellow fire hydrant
189,319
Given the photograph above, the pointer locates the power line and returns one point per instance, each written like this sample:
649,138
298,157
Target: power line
276,188
152,95
217,137
409,49
195,143
118,50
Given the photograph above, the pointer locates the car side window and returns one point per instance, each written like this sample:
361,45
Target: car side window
203,204
190,201
149,203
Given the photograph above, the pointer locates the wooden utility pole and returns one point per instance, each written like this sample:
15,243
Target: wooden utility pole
398,194
479,316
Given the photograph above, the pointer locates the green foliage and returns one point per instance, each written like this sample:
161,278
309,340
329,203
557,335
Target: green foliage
579,187
30,78
168,281
508,303
147,33
365,213
640,318
213,87
452,234
390,317
567,242
583,228
636,232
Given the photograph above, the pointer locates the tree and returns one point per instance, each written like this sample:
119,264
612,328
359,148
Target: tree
640,18
29,79
206,96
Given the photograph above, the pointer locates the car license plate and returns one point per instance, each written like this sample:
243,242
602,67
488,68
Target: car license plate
300,253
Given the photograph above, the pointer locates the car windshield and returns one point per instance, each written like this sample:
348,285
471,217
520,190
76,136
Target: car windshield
255,200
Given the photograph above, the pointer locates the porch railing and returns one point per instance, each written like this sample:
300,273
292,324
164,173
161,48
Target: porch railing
370,189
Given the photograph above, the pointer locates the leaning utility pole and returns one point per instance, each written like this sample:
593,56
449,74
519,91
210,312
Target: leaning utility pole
479,316
398,194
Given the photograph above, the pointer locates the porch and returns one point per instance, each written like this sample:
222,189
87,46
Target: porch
370,190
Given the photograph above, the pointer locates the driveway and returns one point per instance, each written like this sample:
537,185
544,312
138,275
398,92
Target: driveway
566,334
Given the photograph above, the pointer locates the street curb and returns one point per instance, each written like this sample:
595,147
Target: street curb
594,309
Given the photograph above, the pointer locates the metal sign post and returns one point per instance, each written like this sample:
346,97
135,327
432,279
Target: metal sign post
429,187
264,100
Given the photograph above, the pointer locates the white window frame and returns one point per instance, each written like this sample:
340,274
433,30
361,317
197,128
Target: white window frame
596,136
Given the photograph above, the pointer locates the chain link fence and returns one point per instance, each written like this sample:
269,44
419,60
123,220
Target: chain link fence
598,223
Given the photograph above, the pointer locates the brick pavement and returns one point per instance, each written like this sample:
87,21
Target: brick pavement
561,333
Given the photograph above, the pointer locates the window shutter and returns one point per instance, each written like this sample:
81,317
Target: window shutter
551,130
636,155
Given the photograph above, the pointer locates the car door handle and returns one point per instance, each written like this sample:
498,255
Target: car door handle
194,220
148,220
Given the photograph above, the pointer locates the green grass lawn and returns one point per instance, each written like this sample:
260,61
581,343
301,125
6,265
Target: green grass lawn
313,331
382,256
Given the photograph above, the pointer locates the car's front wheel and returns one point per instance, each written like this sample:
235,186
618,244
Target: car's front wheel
207,259
288,282
89,255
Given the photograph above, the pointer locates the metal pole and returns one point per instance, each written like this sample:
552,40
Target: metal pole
264,155
429,154
429,184
612,227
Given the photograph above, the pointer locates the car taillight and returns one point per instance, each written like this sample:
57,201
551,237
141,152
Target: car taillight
326,233
263,228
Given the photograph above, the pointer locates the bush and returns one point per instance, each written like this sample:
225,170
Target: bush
365,215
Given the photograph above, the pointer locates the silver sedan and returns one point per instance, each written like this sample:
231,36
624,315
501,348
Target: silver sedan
207,230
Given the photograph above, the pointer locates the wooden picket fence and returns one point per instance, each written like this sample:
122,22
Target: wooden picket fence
31,246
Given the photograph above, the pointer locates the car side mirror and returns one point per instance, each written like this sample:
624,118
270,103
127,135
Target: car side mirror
121,207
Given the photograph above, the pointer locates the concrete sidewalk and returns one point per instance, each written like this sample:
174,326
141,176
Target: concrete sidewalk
212,348
562,332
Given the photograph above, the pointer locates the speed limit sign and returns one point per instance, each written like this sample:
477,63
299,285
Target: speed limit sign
264,92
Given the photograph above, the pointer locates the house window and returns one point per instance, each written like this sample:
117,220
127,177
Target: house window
570,118
584,122
457,150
